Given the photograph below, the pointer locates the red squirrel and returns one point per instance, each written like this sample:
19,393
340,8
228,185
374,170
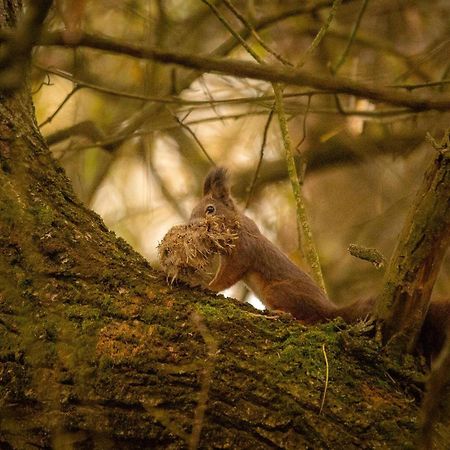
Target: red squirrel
277,281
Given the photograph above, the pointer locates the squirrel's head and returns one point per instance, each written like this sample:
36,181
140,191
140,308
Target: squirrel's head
216,196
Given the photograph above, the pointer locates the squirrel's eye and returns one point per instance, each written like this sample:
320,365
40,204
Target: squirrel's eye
210,209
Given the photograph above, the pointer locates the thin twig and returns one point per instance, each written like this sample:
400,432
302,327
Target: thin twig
320,35
111,141
339,105
426,55
235,34
297,147
411,87
174,202
46,82
377,44
324,393
210,96
261,156
306,241
249,26
196,139
444,76
341,60
379,114
303,161
66,99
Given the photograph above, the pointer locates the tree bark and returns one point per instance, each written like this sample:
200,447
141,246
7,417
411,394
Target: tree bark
97,351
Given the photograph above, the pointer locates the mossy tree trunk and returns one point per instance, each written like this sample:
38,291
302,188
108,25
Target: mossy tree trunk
96,351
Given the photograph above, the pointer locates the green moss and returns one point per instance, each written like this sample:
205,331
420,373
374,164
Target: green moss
8,212
42,214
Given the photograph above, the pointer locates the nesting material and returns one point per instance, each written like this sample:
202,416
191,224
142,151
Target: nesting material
191,253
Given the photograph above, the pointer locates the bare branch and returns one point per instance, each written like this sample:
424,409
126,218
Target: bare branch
271,73
60,106
173,99
249,26
342,58
261,156
196,139
321,34
411,86
86,128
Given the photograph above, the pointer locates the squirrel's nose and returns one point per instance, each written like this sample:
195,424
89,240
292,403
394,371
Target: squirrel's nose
195,215
194,218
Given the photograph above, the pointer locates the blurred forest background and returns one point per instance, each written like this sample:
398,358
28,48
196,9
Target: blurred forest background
136,138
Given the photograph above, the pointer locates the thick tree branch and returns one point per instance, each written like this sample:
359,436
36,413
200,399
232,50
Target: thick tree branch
85,128
416,261
271,73
19,44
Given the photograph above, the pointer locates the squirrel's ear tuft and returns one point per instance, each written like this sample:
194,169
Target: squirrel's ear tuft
217,185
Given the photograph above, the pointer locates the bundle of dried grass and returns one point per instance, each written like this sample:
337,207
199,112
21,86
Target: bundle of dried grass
192,252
